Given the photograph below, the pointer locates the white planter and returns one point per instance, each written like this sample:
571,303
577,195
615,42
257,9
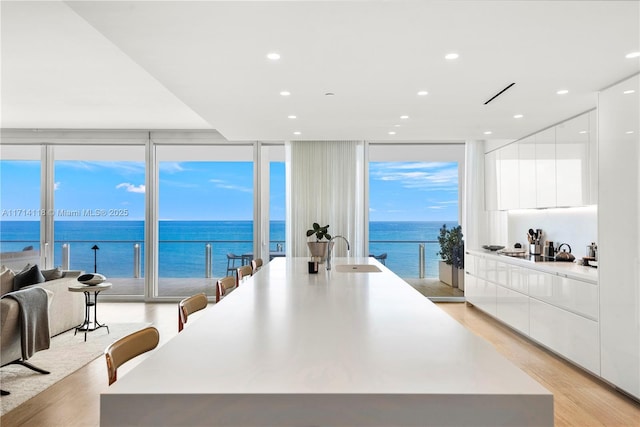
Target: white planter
460,273
319,250
445,273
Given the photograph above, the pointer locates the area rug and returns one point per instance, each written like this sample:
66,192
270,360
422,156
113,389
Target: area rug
67,354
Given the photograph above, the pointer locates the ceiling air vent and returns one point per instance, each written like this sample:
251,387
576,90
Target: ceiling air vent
498,94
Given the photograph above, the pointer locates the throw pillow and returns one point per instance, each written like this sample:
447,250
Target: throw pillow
28,277
6,280
52,274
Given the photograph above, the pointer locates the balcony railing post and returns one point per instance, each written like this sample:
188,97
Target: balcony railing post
208,264
136,261
421,261
66,252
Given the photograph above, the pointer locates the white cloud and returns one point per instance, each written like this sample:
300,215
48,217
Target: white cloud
130,188
56,185
171,167
421,175
223,184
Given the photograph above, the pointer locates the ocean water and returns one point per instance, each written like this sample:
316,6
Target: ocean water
183,244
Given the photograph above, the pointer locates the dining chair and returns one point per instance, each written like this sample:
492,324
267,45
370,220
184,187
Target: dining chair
231,263
256,264
189,306
128,347
224,286
243,271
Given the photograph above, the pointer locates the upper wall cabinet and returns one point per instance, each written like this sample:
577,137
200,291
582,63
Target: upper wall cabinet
546,168
552,168
572,162
491,190
509,177
527,172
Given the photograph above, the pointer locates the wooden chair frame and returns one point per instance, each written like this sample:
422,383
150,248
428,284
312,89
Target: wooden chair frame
224,285
189,306
128,347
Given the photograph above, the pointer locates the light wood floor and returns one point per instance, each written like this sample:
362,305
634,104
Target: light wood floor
580,399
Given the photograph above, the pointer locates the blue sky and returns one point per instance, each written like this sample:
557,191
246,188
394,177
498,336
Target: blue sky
407,191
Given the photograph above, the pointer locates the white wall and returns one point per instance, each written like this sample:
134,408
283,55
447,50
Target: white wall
576,226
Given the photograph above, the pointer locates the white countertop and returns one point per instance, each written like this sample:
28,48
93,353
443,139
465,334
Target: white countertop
568,269
287,336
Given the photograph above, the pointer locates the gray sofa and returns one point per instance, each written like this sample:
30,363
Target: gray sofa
66,308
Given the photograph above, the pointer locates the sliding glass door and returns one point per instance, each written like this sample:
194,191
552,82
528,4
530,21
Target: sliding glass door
415,190
22,213
204,216
100,213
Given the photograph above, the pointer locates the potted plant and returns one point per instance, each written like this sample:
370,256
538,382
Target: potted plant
451,252
319,246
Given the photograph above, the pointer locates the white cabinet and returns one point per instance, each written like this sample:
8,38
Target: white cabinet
491,190
513,308
568,334
527,172
573,295
573,162
553,168
508,177
481,293
558,311
546,168
619,233
593,157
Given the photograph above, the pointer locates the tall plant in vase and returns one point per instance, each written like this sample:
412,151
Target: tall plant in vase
451,254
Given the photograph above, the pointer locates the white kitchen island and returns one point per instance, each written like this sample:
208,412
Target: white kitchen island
288,348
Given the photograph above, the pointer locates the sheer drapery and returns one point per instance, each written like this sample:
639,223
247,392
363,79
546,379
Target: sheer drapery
325,184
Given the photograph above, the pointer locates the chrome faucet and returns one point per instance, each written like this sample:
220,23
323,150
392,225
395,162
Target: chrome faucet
329,250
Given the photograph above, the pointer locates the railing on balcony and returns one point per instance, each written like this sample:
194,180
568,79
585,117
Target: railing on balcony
184,259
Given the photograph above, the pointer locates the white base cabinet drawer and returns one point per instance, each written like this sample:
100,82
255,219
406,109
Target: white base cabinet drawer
513,309
574,337
480,293
574,295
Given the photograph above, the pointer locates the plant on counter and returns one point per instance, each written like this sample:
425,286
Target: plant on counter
319,248
320,232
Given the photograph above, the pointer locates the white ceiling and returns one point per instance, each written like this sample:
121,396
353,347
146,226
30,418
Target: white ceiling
203,65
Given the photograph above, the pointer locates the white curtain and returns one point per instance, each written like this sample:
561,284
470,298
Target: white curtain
325,184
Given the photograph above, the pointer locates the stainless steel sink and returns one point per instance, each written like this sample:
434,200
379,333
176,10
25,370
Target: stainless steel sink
357,268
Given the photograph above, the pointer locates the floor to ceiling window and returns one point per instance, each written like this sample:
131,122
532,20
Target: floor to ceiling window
413,191
205,216
100,211
20,206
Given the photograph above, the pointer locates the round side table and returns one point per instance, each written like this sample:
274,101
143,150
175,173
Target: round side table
86,326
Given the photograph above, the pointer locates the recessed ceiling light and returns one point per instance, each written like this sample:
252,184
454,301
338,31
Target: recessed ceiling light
396,126
285,93
632,55
629,132
423,93
627,92
404,117
392,133
487,132
297,133
562,92
451,56
518,116
582,132
292,116
273,56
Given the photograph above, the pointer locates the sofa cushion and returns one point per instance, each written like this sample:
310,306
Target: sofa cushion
28,277
52,274
6,280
